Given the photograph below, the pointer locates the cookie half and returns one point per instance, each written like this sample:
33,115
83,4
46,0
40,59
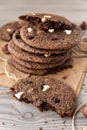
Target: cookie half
47,21
46,94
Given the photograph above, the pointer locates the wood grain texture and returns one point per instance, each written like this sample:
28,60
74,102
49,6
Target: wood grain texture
15,115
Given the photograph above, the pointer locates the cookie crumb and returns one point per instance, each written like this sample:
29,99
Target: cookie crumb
83,84
65,77
3,123
64,122
45,122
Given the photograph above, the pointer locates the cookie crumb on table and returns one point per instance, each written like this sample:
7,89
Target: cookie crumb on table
3,123
45,121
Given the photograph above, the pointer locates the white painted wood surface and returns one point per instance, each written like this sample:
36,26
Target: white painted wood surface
16,115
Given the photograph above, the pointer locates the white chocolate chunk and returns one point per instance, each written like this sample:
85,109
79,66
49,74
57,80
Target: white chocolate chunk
8,30
19,95
47,55
51,30
45,87
43,19
29,29
68,32
47,16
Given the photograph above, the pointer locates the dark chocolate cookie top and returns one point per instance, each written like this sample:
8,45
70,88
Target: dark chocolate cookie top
47,21
42,91
51,39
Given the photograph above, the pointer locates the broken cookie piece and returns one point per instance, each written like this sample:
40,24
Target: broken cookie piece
7,30
46,94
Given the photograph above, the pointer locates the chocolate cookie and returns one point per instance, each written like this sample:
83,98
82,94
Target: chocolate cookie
21,44
33,65
7,30
52,39
47,21
27,70
46,94
21,54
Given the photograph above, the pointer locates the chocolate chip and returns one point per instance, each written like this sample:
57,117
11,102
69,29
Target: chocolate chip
56,100
28,82
18,36
37,20
31,37
12,89
31,82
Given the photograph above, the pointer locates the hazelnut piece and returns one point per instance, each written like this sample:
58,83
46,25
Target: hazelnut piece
5,48
83,25
84,110
84,128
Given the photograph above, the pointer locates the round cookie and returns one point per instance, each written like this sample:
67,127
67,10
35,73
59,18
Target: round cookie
18,66
47,21
47,94
41,66
51,40
21,44
21,54
7,30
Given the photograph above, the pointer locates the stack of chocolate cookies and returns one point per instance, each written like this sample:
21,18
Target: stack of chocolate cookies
42,43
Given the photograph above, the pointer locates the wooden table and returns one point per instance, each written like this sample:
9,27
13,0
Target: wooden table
15,115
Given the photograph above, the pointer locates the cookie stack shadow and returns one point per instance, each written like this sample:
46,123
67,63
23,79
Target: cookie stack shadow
43,44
